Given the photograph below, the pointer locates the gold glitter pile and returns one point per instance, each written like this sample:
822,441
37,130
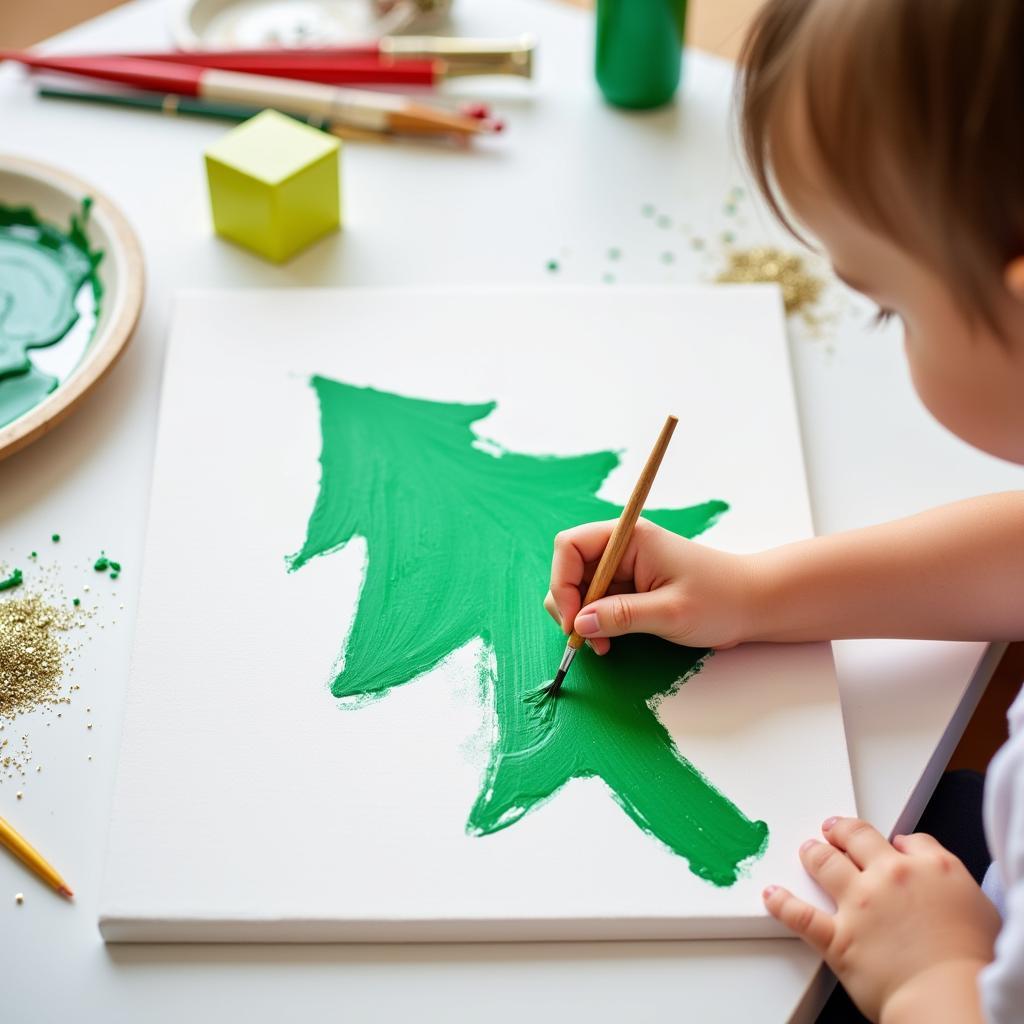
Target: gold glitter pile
31,654
800,288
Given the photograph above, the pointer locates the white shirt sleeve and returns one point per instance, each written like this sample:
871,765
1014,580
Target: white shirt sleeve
1002,982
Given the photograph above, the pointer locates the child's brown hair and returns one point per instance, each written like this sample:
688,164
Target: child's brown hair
914,110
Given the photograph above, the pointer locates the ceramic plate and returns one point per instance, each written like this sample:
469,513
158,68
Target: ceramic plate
54,195
255,24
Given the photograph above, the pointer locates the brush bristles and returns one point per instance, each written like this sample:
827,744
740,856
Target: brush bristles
552,689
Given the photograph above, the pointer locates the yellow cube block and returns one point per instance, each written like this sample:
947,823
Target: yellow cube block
275,185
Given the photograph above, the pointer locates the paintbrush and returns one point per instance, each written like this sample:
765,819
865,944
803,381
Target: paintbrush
173,105
616,547
355,108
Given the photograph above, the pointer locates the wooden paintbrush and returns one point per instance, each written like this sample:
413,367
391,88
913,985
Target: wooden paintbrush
617,544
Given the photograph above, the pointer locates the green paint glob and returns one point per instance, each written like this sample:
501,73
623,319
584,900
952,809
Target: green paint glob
459,535
43,271
12,581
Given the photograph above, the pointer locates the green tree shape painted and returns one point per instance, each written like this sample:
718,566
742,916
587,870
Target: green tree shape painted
458,540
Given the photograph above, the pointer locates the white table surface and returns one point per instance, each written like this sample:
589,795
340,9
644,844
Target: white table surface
567,182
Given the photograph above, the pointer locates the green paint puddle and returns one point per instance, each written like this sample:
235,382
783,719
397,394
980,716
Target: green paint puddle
459,536
49,290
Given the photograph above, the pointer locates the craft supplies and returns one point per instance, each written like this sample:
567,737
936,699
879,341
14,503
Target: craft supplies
172,105
638,52
358,108
274,185
32,859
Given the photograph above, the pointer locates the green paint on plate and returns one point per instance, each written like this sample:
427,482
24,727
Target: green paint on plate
48,286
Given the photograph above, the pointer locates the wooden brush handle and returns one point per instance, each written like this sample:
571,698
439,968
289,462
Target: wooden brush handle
623,532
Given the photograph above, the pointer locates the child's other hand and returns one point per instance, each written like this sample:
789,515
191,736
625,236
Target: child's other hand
911,928
665,585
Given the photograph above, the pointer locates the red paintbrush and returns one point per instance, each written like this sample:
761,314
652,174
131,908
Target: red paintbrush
328,70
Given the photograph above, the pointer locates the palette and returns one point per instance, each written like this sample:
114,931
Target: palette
88,349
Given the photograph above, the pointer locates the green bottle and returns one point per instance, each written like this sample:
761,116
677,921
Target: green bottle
639,50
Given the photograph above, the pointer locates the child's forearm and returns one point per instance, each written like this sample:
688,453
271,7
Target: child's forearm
953,573
946,994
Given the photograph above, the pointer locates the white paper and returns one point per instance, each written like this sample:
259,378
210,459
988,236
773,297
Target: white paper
250,807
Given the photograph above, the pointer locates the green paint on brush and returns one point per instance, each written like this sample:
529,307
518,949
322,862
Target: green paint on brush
43,270
459,534
12,581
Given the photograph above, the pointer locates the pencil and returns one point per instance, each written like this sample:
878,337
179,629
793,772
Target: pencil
617,544
32,858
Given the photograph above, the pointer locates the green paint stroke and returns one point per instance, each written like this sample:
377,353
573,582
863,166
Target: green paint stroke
459,534
43,270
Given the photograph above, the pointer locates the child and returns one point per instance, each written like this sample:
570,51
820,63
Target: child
893,132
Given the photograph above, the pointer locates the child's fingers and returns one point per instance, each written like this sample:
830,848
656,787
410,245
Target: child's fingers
573,550
830,868
814,926
863,842
917,843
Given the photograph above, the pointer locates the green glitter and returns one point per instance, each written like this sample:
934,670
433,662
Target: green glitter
101,564
664,221
668,257
114,575
55,538
75,601
648,209
12,581
33,554
116,566
728,237
552,266
608,279
614,253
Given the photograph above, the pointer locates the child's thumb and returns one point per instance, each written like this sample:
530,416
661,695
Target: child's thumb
650,612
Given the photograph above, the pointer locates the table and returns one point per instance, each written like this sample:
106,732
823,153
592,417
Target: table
570,182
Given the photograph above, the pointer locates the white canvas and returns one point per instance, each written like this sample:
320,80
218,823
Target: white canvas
250,807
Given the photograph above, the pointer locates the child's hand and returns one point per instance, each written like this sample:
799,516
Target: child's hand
665,585
911,928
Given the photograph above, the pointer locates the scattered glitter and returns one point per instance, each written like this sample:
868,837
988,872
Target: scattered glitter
668,257
89,726
697,243
33,554
19,898
101,564
31,656
86,588
55,538
664,221
114,575
90,757
615,253
728,237
608,279
800,288
14,580
730,209
76,601
39,767
552,266
647,209
19,794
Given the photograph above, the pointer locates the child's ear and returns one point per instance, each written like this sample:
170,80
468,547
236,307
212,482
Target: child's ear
1013,278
